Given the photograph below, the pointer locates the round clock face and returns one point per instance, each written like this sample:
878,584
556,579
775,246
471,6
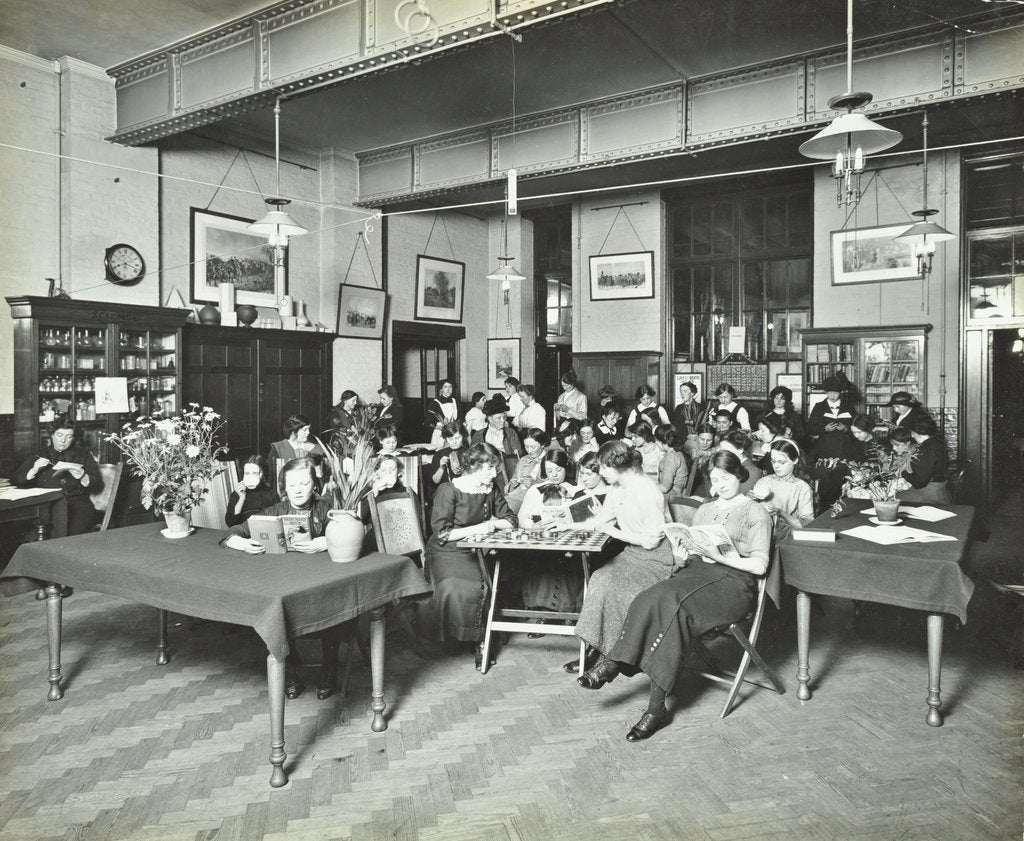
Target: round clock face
124,265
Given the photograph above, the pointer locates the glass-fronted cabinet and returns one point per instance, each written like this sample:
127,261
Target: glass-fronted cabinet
65,350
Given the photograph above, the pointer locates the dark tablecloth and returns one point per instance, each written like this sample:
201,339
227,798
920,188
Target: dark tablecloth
281,596
923,576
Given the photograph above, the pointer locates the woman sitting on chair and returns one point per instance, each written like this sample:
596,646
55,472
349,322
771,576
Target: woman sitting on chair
252,494
926,474
706,590
786,492
446,463
470,504
296,443
299,486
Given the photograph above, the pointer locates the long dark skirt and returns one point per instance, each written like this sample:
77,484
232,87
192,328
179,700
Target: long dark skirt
460,592
663,619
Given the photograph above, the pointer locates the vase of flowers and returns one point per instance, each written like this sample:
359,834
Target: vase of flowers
879,477
176,456
351,461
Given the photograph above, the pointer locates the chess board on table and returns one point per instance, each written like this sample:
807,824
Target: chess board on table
576,540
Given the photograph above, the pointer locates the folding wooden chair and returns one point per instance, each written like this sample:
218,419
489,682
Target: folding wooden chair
106,499
734,680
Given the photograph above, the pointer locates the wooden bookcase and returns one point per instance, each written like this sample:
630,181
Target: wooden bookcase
60,348
879,361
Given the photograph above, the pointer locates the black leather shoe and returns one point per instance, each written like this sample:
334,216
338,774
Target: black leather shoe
647,726
594,678
573,666
293,687
327,684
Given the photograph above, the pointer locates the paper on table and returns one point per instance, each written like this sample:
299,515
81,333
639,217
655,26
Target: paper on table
922,512
23,493
890,535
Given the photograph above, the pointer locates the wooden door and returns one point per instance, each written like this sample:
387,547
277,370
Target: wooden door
294,379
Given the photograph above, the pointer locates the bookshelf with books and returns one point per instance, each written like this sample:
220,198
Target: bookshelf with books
879,361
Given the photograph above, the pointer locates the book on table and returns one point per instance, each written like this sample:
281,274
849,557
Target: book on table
280,533
700,540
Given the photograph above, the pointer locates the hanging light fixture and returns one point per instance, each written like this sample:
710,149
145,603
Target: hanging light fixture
985,303
851,136
277,225
924,234
506,272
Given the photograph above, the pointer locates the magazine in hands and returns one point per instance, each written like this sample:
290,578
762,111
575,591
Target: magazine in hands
699,540
280,534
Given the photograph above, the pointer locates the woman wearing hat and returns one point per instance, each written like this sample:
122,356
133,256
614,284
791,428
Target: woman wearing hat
829,422
501,436
905,409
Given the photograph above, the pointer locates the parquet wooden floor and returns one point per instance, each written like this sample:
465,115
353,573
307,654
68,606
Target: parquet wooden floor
179,753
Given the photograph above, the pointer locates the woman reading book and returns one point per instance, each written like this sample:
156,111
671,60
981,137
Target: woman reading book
786,493
298,486
715,583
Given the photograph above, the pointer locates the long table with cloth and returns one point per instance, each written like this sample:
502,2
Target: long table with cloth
280,596
921,576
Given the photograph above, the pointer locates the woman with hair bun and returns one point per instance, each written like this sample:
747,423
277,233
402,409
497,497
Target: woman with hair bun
634,512
787,492
706,590
926,474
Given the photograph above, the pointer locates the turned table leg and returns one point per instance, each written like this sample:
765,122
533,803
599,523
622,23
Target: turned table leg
53,623
275,688
161,638
803,645
934,717
377,669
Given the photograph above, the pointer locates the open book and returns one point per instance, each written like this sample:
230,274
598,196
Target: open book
65,467
691,540
279,534
585,508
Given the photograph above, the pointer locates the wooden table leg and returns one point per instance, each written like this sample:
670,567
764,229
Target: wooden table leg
161,638
377,670
490,612
934,717
803,644
275,689
53,628
586,582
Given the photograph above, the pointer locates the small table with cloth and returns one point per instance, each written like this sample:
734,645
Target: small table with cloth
922,576
281,597
33,504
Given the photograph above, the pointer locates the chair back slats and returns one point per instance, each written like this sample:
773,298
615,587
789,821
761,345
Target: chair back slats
396,524
210,513
106,500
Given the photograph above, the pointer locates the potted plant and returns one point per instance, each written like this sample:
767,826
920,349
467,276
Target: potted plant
176,456
350,460
879,477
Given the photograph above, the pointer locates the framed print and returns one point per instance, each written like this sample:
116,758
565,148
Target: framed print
223,249
785,333
614,277
360,312
502,362
439,287
872,255
680,377
795,383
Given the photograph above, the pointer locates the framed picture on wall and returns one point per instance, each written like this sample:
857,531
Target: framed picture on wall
224,250
795,383
502,361
872,255
360,312
785,334
680,377
615,277
439,288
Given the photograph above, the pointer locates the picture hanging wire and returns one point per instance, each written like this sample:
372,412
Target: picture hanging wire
621,211
426,245
360,240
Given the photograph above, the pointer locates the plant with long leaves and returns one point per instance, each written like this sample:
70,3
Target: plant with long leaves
351,460
878,477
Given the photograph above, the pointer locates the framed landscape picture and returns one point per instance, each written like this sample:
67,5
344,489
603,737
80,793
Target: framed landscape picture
614,277
360,312
502,362
439,289
872,255
223,249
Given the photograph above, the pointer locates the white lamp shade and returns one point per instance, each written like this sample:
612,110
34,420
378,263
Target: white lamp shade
505,272
277,223
854,129
922,231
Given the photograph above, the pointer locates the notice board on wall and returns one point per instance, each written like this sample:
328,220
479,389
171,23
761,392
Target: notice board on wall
749,379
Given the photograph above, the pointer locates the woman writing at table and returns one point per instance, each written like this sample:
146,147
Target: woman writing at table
706,590
469,505
71,468
298,486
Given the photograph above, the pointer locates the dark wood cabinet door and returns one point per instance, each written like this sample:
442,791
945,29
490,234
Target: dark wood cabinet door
295,378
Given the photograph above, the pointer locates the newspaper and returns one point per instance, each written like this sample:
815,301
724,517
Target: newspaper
699,540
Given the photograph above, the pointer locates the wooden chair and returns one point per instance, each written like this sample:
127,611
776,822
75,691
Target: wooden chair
955,486
106,499
210,512
747,642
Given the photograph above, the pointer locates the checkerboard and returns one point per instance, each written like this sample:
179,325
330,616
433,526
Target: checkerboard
575,540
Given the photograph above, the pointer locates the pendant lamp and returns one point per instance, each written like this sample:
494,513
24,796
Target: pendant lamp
277,225
924,234
851,136
506,272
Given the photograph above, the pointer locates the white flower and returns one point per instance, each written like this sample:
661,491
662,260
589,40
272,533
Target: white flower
173,438
192,451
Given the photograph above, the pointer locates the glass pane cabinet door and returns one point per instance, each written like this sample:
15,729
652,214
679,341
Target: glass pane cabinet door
147,360
995,265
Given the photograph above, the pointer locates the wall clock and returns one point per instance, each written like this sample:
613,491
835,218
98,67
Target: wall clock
124,264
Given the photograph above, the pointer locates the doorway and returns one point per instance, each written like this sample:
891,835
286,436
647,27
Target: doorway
422,356
1007,437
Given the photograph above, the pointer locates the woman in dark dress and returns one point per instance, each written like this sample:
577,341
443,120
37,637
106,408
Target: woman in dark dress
77,481
447,462
782,407
708,590
926,474
251,495
470,504
390,412
441,410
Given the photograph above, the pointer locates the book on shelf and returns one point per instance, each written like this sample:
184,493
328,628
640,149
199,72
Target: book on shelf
280,533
